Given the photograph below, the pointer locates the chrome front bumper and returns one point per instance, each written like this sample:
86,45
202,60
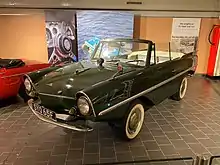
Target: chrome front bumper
61,117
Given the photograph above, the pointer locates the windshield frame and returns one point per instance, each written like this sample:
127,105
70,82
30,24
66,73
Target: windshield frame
149,49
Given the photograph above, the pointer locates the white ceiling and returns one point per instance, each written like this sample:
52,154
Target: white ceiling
184,8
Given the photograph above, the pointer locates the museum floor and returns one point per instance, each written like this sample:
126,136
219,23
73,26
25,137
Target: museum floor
172,129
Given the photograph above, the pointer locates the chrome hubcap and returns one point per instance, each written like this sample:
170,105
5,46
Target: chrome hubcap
183,86
134,121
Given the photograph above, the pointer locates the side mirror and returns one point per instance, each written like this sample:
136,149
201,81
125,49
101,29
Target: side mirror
100,62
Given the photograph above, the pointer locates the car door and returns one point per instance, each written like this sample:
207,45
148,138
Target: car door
156,80
152,80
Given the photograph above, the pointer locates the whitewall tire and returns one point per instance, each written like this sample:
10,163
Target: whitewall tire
134,121
181,90
130,126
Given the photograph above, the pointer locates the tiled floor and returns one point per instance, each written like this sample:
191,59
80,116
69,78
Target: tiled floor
172,129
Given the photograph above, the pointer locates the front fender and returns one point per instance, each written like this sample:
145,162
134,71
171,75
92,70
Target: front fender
104,97
116,114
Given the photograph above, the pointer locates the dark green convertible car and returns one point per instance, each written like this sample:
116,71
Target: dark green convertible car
122,79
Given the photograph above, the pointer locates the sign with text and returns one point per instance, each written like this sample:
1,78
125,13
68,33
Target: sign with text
185,33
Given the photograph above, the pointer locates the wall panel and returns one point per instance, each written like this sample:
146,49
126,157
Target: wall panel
23,37
159,30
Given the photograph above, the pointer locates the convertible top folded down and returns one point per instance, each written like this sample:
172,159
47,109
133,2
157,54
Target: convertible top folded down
11,63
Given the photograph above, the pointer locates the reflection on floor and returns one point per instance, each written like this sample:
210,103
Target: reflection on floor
172,129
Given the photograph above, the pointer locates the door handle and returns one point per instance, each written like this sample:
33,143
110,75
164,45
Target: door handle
174,70
159,68
139,73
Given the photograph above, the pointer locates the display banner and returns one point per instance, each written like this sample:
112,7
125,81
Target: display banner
185,33
61,36
92,26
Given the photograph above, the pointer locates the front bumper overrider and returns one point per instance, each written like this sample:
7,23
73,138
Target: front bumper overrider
59,119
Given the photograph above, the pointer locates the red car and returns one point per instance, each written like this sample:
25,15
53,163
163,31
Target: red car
11,76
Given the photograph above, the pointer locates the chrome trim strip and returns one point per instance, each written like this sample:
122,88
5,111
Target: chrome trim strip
13,75
90,102
25,73
72,127
62,116
17,75
59,96
142,93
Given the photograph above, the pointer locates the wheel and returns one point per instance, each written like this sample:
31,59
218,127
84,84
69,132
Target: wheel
133,121
65,44
22,93
181,91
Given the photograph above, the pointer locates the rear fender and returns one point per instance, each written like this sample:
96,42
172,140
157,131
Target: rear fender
194,57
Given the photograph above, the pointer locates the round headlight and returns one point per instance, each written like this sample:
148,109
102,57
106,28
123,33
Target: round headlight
83,105
27,84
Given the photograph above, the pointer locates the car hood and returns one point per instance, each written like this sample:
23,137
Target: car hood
69,79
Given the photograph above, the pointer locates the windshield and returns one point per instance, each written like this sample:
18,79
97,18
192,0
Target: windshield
134,53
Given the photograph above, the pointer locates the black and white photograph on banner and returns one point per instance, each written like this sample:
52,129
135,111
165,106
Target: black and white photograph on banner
185,33
61,36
